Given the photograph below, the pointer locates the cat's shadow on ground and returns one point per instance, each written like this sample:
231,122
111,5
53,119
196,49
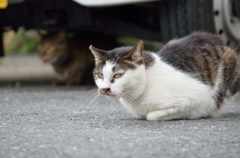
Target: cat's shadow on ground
228,116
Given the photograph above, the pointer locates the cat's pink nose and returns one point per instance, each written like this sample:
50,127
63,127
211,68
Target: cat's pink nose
104,91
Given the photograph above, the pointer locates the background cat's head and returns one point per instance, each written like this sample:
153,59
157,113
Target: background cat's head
53,47
120,71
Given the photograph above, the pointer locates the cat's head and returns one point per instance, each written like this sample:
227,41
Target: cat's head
120,71
53,47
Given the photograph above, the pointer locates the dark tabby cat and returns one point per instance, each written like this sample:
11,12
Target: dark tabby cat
70,57
192,77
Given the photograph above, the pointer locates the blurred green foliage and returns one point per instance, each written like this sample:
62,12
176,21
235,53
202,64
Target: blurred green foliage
21,41
26,41
148,45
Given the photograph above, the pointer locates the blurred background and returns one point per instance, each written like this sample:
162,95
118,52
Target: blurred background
20,64
127,21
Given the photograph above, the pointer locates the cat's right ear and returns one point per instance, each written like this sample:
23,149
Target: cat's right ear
136,53
98,54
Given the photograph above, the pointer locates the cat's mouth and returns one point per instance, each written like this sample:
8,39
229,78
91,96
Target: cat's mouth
106,92
50,61
111,95
46,60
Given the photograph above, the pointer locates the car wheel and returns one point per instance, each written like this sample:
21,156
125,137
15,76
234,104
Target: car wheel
179,18
227,21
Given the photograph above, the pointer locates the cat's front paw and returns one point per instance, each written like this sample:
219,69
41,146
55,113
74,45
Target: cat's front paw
157,115
151,116
163,115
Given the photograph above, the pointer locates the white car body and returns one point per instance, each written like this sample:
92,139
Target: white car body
104,3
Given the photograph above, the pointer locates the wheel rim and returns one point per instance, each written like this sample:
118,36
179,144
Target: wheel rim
227,25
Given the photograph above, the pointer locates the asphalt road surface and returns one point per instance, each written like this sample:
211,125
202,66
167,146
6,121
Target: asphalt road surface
55,122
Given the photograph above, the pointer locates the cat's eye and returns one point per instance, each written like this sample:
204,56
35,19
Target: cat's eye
100,75
118,75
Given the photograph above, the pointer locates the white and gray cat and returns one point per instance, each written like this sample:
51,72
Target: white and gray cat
192,77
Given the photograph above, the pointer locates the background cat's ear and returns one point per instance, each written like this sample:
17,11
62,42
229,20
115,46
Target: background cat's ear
62,34
136,53
42,33
98,54
39,33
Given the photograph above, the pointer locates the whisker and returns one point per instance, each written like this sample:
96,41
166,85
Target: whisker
132,99
127,92
93,100
118,96
86,95
90,91
129,100
90,96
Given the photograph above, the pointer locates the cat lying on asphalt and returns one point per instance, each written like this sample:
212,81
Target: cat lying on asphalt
192,77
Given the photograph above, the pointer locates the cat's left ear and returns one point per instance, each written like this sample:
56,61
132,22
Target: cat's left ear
136,53
98,54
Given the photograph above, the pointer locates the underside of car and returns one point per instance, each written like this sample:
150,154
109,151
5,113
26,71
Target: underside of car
157,20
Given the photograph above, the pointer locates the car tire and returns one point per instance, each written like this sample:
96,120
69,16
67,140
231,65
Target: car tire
179,18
